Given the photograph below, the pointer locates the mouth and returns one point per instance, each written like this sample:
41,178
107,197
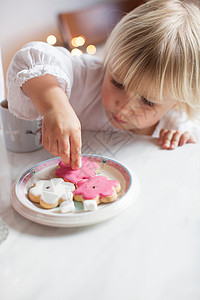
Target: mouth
118,120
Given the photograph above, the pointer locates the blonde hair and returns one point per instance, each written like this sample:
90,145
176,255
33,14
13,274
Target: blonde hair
158,45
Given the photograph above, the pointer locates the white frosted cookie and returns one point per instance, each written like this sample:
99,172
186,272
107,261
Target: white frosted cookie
67,206
50,193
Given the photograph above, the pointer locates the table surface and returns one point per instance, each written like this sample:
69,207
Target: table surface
149,251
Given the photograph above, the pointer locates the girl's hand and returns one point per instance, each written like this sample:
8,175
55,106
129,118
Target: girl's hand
61,129
61,135
171,139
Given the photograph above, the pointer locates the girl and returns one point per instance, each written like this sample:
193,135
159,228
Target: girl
149,83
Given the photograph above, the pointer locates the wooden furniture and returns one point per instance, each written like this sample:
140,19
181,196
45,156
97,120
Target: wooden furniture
94,22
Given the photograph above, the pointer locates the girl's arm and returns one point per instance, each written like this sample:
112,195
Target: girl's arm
61,129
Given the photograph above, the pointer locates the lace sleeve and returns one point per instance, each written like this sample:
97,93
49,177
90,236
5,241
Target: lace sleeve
33,60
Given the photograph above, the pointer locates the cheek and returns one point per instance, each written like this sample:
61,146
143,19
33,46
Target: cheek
161,112
103,95
106,96
154,115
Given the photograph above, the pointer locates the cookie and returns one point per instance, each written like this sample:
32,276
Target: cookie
98,188
50,193
67,206
89,205
87,170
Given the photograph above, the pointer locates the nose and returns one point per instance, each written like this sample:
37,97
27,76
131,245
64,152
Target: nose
123,106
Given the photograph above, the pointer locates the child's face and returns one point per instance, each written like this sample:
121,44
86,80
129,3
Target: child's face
138,113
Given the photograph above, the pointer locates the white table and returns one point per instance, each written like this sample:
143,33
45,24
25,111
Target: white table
150,251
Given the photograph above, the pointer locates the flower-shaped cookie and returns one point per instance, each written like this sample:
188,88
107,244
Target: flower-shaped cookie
50,193
98,188
87,170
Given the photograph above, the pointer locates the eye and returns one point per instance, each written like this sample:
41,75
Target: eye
117,84
147,102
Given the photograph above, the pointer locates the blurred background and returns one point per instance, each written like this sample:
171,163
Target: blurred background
22,21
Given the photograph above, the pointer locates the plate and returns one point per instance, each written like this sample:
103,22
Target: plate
130,187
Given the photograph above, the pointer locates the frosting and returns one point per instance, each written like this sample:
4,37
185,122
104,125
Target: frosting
85,172
96,186
67,206
52,190
89,205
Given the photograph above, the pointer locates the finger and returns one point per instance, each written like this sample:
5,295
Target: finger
187,137
167,139
45,140
64,150
53,147
161,136
45,137
75,151
175,140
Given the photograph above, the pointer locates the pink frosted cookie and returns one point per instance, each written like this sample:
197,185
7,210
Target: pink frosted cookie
88,170
50,193
98,188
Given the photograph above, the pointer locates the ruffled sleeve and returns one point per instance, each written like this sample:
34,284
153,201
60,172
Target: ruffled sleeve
34,60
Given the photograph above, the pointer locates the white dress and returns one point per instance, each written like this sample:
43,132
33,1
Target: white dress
81,79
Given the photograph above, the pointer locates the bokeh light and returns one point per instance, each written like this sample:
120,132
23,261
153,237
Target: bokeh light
91,49
51,39
78,41
76,51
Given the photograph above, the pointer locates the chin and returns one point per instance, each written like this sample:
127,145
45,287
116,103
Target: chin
115,123
118,125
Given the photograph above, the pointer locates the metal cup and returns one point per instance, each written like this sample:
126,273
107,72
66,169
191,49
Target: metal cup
20,135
